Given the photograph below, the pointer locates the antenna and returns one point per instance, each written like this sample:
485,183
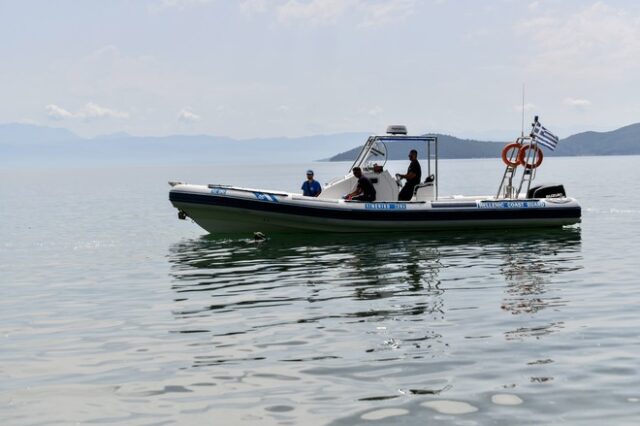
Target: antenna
522,125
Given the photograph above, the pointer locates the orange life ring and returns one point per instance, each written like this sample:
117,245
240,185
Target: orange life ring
507,159
537,155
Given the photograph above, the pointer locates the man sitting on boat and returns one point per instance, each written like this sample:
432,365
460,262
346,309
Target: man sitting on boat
413,176
311,187
364,190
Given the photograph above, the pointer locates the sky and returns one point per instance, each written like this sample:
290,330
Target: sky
289,68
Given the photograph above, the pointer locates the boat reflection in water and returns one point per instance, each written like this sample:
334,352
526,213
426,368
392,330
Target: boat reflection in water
405,315
529,277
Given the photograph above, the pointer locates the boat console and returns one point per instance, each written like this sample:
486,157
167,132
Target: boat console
372,160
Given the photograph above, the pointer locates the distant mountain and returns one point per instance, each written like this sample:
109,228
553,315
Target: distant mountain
31,144
17,133
37,145
623,141
116,135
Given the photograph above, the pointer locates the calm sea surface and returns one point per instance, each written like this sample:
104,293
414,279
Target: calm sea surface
114,311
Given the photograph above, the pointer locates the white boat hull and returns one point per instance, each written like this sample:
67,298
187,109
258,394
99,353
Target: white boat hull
229,210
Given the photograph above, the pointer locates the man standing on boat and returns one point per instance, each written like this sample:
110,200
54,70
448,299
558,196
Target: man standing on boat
364,190
311,187
413,176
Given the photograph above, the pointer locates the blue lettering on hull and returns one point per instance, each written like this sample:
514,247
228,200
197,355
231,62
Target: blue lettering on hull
511,205
385,206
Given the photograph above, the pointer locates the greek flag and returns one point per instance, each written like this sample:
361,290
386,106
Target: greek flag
544,137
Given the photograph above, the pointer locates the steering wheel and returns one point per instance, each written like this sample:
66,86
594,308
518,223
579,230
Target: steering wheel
398,179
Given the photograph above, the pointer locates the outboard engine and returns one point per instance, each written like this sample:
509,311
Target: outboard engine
547,191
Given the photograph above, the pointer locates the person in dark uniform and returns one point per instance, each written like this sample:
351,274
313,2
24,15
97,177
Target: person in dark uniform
413,176
364,191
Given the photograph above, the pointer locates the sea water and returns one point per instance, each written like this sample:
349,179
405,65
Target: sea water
114,311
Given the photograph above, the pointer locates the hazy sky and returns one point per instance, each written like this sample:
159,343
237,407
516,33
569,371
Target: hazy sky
298,67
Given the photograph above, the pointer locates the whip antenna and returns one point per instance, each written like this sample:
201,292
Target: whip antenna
522,125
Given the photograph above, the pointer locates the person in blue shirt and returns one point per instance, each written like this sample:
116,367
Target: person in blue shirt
311,187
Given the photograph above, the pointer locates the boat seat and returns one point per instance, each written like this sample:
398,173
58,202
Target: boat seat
424,191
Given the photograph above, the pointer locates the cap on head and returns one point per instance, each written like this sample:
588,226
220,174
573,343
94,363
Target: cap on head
310,172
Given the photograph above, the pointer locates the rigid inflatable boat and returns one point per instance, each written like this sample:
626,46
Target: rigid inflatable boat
227,209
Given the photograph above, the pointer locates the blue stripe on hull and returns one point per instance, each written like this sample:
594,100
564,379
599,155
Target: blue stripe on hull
459,214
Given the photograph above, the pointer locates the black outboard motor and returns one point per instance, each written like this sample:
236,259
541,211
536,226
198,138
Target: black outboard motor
547,191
